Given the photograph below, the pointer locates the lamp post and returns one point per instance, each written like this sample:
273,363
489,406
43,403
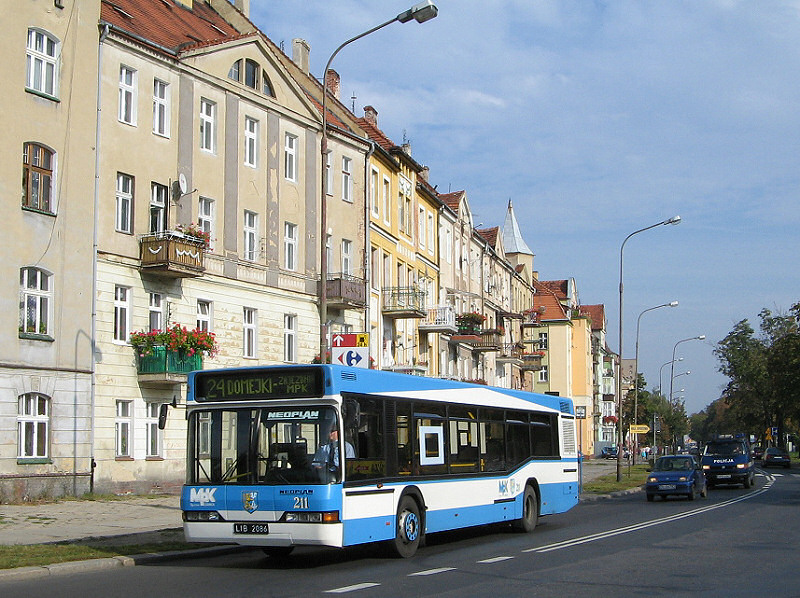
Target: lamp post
672,369
636,371
673,220
661,375
424,11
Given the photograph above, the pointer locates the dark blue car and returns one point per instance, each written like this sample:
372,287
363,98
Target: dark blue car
678,475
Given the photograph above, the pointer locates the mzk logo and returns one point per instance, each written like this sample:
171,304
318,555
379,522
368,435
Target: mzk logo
508,487
250,501
202,496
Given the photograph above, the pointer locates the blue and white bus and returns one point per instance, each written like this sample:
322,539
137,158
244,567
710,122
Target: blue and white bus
419,455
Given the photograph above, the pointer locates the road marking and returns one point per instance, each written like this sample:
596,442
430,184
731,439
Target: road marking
353,588
646,524
432,571
496,559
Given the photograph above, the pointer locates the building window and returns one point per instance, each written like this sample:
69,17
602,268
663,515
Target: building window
387,194
421,227
153,433
127,95
160,108
35,301
347,179
347,257
249,329
543,374
251,73
542,341
290,245
156,312
124,213
375,270
38,164
290,338
250,142
290,157
430,233
122,427
329,251
373,192
208,124
328,173
205,218
158,208
204,315
235,73
250,236
448,245
42,62
122,313
33,426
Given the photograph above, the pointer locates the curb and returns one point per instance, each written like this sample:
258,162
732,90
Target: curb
595,497
25,573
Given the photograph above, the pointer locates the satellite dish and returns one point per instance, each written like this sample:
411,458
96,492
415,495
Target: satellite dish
182,183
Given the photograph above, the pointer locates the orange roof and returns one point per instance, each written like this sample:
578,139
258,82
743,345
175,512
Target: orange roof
490,234
452,200
544,297
167,23
559,287
596,313
375,134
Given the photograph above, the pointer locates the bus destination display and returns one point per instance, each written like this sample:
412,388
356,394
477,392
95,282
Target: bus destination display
258,384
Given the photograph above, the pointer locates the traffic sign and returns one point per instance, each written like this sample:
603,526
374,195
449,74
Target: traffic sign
350,340
356,357
640,429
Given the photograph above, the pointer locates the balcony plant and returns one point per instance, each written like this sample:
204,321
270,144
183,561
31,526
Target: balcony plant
195,232
470,321
610,419
176,338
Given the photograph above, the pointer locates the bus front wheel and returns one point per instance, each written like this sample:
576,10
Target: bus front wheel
530,512
409,528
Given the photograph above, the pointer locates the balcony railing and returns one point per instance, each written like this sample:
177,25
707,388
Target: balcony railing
531,362
510,353
171,254
441,318
346,292
403,302
481,340
164,367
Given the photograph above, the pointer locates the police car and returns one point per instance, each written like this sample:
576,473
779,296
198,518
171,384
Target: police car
727,460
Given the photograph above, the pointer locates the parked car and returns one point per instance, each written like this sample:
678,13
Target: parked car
609,452
676,475
757,452
776,456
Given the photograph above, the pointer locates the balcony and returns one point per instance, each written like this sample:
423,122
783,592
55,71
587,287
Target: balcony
510,353
165,368
346,292
480,340
532,362
172,254
403,302
441,319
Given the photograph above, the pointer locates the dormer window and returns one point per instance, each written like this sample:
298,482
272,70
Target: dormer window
252,76
251,73
236,71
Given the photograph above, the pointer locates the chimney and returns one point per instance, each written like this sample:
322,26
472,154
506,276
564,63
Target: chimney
425,173
300,54
243,6
332,83
371,115
406,148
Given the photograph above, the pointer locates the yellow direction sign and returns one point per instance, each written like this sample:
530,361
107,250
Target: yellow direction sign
640,429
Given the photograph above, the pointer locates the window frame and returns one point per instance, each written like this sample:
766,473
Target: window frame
347,179
290,165
250,232
249,333
38,167
155,311
42,296
154,441
123,220
158,207
205,315
42,64
127,110
123,429
122,314
290,338
347,257
31,421
290,246
208,125
251,142
205,218
161,108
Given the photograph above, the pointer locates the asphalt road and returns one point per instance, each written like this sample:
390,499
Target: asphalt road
734,543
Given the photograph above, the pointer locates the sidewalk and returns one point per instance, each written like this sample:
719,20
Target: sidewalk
129,520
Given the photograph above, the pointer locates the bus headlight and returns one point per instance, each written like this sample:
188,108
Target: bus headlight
202,516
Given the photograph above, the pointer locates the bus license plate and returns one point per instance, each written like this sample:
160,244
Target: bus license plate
250,528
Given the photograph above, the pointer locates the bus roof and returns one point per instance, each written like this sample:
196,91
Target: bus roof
337,379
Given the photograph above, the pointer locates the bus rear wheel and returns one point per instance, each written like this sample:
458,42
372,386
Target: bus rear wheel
407,535
530,512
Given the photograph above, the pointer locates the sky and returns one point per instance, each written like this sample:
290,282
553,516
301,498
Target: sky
598,119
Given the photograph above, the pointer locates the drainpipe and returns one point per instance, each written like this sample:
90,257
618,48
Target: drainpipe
95,246
367,246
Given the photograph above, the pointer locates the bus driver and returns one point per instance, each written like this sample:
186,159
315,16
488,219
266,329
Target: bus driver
327,455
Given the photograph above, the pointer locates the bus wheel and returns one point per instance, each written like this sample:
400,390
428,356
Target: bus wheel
277,552
530,512
407,535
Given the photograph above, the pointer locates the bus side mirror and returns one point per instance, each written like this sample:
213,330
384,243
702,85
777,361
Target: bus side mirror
162,415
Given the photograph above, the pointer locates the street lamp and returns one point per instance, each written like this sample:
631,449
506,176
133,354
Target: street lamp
673,220
672,369
661,375
636,370
424,11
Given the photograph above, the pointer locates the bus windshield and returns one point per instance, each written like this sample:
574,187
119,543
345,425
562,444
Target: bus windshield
269,445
